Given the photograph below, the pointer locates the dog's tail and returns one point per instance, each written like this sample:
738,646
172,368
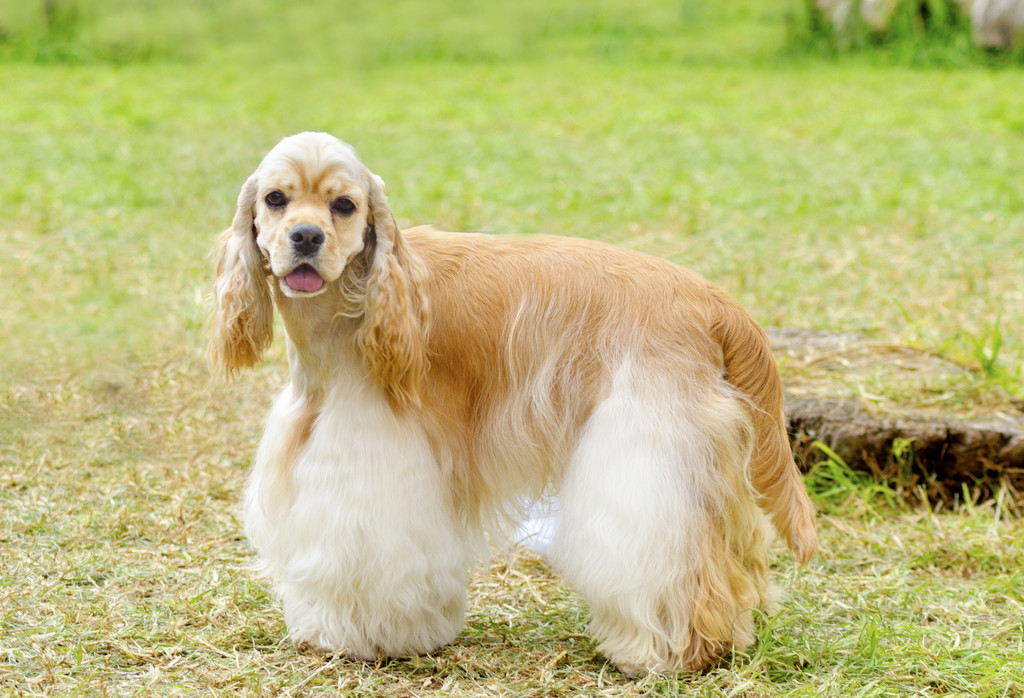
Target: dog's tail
750,368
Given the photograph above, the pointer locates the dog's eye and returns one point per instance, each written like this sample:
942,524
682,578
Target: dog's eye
343,206
276,199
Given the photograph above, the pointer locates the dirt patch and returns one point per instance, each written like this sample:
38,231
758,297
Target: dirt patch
934,440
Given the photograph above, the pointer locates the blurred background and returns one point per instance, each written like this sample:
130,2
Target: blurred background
830,169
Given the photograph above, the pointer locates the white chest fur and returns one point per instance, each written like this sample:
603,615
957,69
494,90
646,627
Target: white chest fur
357,531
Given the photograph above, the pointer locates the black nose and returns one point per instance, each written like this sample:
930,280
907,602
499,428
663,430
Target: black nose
306,239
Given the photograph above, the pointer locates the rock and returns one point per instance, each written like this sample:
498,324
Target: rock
997,23
843,14
936,443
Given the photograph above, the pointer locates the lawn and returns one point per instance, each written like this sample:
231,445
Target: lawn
876,192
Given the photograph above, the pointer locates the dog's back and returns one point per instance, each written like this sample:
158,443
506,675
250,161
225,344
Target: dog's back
568,311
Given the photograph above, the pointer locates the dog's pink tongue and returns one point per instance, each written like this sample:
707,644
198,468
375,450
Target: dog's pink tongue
304,279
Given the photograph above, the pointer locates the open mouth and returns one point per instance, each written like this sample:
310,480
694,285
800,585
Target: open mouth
304,278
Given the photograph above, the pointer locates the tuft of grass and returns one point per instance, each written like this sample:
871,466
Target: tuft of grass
835,486
994,372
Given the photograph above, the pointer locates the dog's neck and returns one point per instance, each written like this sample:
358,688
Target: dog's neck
318,338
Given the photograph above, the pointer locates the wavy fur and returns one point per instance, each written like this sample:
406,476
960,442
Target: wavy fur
392,336
439,380
242,321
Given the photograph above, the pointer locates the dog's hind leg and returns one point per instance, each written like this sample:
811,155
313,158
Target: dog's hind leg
658,528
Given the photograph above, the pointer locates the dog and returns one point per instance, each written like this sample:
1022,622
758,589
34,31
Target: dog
440,380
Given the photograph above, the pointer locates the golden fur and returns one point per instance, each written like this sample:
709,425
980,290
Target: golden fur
506,355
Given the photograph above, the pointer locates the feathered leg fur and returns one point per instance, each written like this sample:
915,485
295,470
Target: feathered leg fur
658,527
365,551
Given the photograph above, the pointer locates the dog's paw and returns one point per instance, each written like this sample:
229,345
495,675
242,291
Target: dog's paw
631,671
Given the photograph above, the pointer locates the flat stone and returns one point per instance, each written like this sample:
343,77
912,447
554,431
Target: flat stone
938,441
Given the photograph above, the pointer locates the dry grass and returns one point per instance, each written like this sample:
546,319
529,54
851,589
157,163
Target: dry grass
125,573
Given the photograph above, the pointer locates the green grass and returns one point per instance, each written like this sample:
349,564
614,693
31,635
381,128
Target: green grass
860,192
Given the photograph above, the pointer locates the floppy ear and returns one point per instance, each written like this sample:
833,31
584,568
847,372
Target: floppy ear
392,337
242,320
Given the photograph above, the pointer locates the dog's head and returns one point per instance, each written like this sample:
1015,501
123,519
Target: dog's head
312,208
311,211
309,208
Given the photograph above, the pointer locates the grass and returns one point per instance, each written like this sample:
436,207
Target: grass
126,574
859,192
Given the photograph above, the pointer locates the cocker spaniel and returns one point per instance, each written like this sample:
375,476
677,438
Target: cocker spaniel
440,380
